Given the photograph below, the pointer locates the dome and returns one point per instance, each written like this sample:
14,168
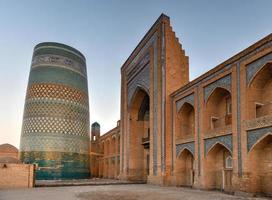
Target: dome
8,148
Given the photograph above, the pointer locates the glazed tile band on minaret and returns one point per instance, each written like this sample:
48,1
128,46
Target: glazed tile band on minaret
55,130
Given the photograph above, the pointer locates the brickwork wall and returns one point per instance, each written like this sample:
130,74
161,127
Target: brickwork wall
105,153
16,175
230,116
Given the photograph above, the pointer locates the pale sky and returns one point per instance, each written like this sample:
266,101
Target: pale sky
106,32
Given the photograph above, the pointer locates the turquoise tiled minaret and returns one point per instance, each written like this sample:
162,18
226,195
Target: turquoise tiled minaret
55,130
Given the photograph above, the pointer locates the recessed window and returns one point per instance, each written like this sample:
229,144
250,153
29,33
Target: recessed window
258,109
228,162
214,122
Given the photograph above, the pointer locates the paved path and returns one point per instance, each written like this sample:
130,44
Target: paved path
81,182
114,192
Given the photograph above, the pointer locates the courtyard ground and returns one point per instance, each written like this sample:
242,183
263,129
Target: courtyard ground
114,192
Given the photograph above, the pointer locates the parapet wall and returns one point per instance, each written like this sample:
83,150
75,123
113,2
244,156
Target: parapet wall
17,175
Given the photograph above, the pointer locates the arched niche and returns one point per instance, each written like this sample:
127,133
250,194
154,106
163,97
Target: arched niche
184,169
185,122
218,110
260,166
259,95
218,168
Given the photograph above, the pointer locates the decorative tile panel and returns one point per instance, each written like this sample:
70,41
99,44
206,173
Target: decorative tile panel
54,142
259,122
59,61
253,136
188,99
57,75
140,80
226,140
255,66
224,82
190,146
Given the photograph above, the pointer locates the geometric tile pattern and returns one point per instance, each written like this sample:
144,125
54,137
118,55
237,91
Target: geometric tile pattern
226,140
224,82
253,136
54,142
188,99
253,67
61,61
141,80
55,129
56,109
54,125
190,146
46,90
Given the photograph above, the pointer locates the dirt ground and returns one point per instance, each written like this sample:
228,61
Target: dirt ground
114,192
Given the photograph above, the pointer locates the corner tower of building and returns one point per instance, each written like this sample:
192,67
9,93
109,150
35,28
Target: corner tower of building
55,130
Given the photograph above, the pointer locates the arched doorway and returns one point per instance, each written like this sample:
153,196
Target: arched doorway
185,122
139,136
218,168
185,168
260,164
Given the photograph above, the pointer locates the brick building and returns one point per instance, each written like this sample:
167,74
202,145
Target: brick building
213,132
13,173
105,152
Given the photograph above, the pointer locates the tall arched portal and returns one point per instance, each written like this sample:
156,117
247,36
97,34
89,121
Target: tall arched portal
139,136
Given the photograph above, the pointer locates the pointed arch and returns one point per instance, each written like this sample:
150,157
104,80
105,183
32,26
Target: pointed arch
184,168
252,79
138,88
216,167
217,144
258,94
218,112
185,149
183,103
138,130
261,139
215,90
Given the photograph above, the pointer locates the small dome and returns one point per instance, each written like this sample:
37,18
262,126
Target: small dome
95,124
8,148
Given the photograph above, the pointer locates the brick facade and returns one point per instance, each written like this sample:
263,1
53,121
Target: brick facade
213,132
105,152
13,173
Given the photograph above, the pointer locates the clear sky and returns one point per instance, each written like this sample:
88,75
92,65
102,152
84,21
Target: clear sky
106,32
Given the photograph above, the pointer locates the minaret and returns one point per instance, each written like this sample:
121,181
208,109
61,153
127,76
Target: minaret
95,132
55,131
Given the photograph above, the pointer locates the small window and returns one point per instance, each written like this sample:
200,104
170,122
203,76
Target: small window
228,163
258,108
94,138
228,105
214,122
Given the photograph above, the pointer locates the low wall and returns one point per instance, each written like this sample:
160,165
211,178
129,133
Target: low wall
17,175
